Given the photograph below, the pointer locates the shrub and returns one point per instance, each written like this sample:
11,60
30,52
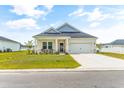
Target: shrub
56,52
4,50
66,53
8,50
0,51
33,52
97,51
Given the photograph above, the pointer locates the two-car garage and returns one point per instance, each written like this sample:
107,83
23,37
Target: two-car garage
80,48
82,45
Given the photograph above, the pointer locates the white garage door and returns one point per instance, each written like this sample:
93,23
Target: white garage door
80,48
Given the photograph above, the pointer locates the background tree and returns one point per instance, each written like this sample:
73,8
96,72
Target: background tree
99,46
29,45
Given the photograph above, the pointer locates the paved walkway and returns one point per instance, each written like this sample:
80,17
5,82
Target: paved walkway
98,62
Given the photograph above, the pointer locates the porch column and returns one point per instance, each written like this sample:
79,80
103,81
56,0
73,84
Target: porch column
67,45
35,48
56,45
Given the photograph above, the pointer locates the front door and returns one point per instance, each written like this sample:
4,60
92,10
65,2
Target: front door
61,47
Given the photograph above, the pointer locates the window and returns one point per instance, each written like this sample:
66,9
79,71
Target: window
106,46
49,45
44,45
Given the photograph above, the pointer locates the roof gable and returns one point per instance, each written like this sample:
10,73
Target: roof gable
51,30
67,28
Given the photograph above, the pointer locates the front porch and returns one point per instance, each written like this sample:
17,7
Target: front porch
50,45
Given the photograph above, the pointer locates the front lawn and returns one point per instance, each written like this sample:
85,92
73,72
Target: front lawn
116,55
21,60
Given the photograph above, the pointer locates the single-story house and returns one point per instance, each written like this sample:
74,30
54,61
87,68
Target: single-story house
8,44
116,46
65,38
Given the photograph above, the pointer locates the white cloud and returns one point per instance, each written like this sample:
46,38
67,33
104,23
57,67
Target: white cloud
119,14
27,23
30,10
106,35
94,24
78,12
95,15
57,24
49,7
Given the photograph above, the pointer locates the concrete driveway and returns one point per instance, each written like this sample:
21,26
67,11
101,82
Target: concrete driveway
98,62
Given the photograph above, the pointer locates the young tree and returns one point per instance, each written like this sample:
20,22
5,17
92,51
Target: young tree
29,45
99,45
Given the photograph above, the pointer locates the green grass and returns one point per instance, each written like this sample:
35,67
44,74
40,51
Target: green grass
21,60
116,55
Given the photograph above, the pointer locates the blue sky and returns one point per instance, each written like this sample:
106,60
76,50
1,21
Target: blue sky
21,22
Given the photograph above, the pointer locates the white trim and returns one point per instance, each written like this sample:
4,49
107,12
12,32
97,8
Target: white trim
52,37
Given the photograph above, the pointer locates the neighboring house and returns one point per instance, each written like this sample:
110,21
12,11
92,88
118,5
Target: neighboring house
24,47
116,46
6,43
65,38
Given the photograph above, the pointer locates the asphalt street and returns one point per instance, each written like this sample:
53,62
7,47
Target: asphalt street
85,79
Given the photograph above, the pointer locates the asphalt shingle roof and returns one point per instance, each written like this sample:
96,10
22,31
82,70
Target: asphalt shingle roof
6,39
66,30
118,42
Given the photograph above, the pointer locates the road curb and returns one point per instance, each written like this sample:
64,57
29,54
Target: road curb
60,70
